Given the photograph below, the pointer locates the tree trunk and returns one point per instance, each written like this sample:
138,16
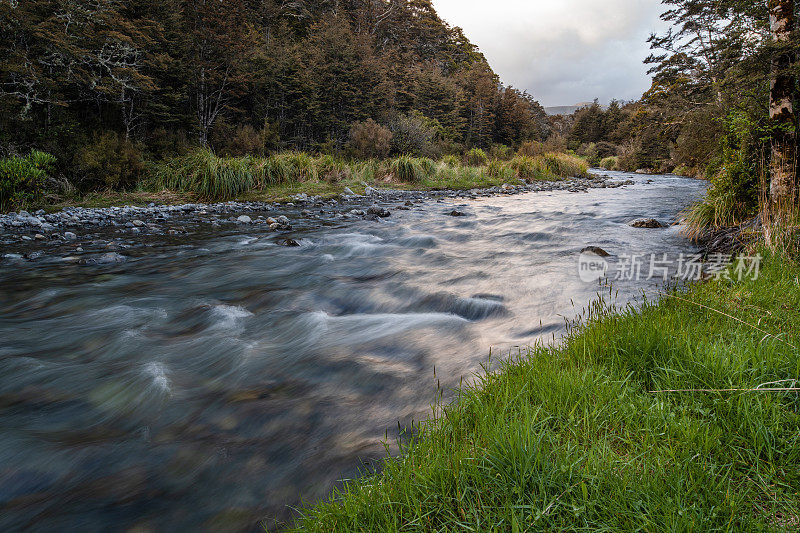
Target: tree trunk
783,164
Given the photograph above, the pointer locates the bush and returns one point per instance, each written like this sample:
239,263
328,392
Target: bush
476,157
111,161
415,135
500,152
23,179
610,163
245,141
531,149
370,140
211,177
451,161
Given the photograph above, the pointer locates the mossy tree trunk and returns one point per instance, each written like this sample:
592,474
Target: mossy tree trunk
783,84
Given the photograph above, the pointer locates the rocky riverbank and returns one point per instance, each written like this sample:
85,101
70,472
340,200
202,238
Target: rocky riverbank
101,235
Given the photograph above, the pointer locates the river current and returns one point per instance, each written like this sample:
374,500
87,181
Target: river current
211,383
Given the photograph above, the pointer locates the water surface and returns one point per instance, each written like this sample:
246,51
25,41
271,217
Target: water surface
209,383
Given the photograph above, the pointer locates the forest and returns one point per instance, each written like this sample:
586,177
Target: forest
109,87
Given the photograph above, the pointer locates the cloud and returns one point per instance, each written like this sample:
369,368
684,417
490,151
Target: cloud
562,51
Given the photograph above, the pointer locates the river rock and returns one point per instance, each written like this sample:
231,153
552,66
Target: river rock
244,219
348,192
370,191
649,223
378,211
107,259
457,213
289,242
596,250
283,220
70,236
138,223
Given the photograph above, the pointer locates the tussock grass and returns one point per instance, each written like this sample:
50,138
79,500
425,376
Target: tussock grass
610,163
411,169
204,173
571,438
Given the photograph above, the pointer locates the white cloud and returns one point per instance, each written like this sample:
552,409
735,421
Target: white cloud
562,51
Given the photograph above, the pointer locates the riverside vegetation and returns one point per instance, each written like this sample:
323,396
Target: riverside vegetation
203,175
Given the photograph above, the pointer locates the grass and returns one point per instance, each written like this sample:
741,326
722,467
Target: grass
610,163
571,438
201,175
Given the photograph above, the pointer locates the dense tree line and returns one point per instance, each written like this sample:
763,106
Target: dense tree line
243,75
722,103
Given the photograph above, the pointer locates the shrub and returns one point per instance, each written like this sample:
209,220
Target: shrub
111,161
531,149
370,140
22,179
610,163
245,141
428,167
589,151
500,152
451,161
204,173
415,135
606,149
476,157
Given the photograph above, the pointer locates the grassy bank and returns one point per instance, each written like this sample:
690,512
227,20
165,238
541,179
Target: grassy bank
201,175
572,438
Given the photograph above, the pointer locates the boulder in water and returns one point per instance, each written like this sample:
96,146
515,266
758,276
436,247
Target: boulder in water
596,250
649,223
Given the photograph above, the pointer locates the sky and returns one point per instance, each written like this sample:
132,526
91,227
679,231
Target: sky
562,51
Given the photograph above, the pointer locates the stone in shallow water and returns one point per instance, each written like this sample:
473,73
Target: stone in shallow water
649,223
596,250
244,219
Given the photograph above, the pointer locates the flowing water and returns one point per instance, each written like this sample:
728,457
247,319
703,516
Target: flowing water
210,383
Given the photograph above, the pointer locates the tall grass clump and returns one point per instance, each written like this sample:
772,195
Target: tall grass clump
642,420
610,163
500,170
565,165
476,157
211,177
22,179
450,160
407,169
300,166
527,167
331,169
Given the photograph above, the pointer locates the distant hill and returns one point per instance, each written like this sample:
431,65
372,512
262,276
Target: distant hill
567,109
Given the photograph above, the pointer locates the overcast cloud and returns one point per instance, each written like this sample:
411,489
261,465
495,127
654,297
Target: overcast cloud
562,51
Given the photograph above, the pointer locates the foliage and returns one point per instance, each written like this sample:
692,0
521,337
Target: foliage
476,157
111,162
209,176
410,169
571,438
565,165
23,179
610,163
370,140
450,160
415,135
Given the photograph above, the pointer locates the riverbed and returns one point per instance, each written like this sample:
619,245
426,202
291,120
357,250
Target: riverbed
213,378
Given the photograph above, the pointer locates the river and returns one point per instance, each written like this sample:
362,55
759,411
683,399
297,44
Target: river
212,382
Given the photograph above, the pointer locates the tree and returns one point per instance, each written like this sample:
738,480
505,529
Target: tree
783,87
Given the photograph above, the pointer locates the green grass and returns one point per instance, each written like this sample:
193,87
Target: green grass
610,163
570,438
201,175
